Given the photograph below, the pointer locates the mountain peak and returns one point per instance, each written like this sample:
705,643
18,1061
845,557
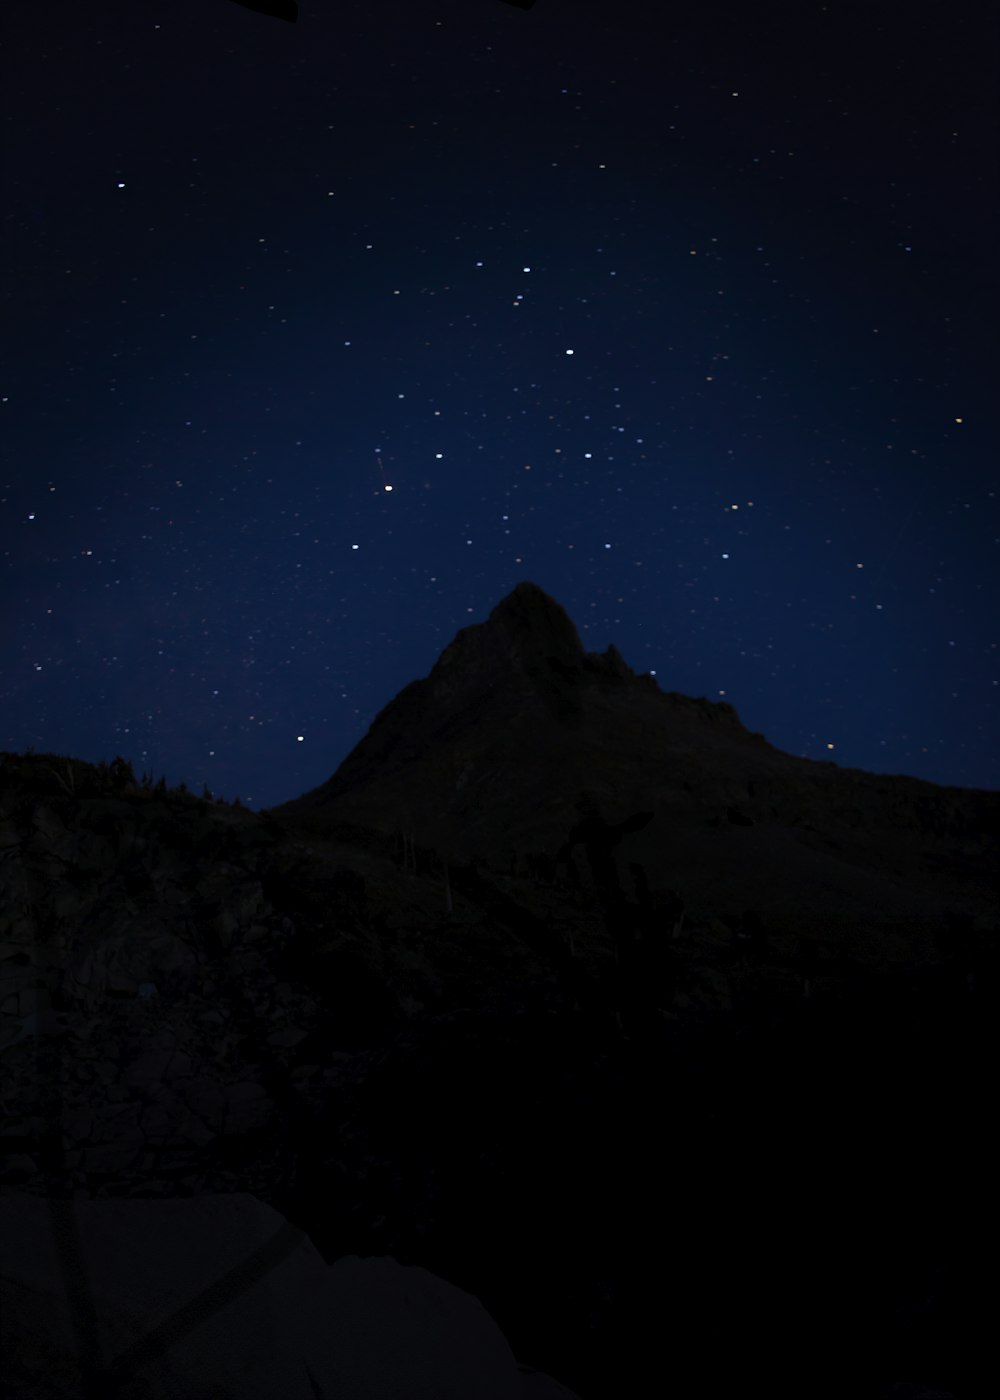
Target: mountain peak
526,629
537,621
525,603
484,755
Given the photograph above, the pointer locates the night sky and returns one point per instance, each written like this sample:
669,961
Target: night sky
320,337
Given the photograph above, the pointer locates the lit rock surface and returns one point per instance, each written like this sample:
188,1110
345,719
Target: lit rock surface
219,1296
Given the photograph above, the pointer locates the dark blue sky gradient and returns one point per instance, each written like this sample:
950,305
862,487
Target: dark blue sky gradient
257,273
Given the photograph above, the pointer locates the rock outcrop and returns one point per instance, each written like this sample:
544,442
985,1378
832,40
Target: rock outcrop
219,1296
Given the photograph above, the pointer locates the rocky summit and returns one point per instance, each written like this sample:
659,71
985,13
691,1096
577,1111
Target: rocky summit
665,1049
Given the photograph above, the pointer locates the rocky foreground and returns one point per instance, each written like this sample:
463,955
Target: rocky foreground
768,1163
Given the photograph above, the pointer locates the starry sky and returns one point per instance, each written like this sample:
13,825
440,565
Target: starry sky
320,337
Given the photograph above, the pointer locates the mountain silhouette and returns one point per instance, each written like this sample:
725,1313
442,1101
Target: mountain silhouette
669,1047
487,759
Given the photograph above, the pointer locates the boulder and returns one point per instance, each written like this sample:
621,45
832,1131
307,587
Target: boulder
220,1296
